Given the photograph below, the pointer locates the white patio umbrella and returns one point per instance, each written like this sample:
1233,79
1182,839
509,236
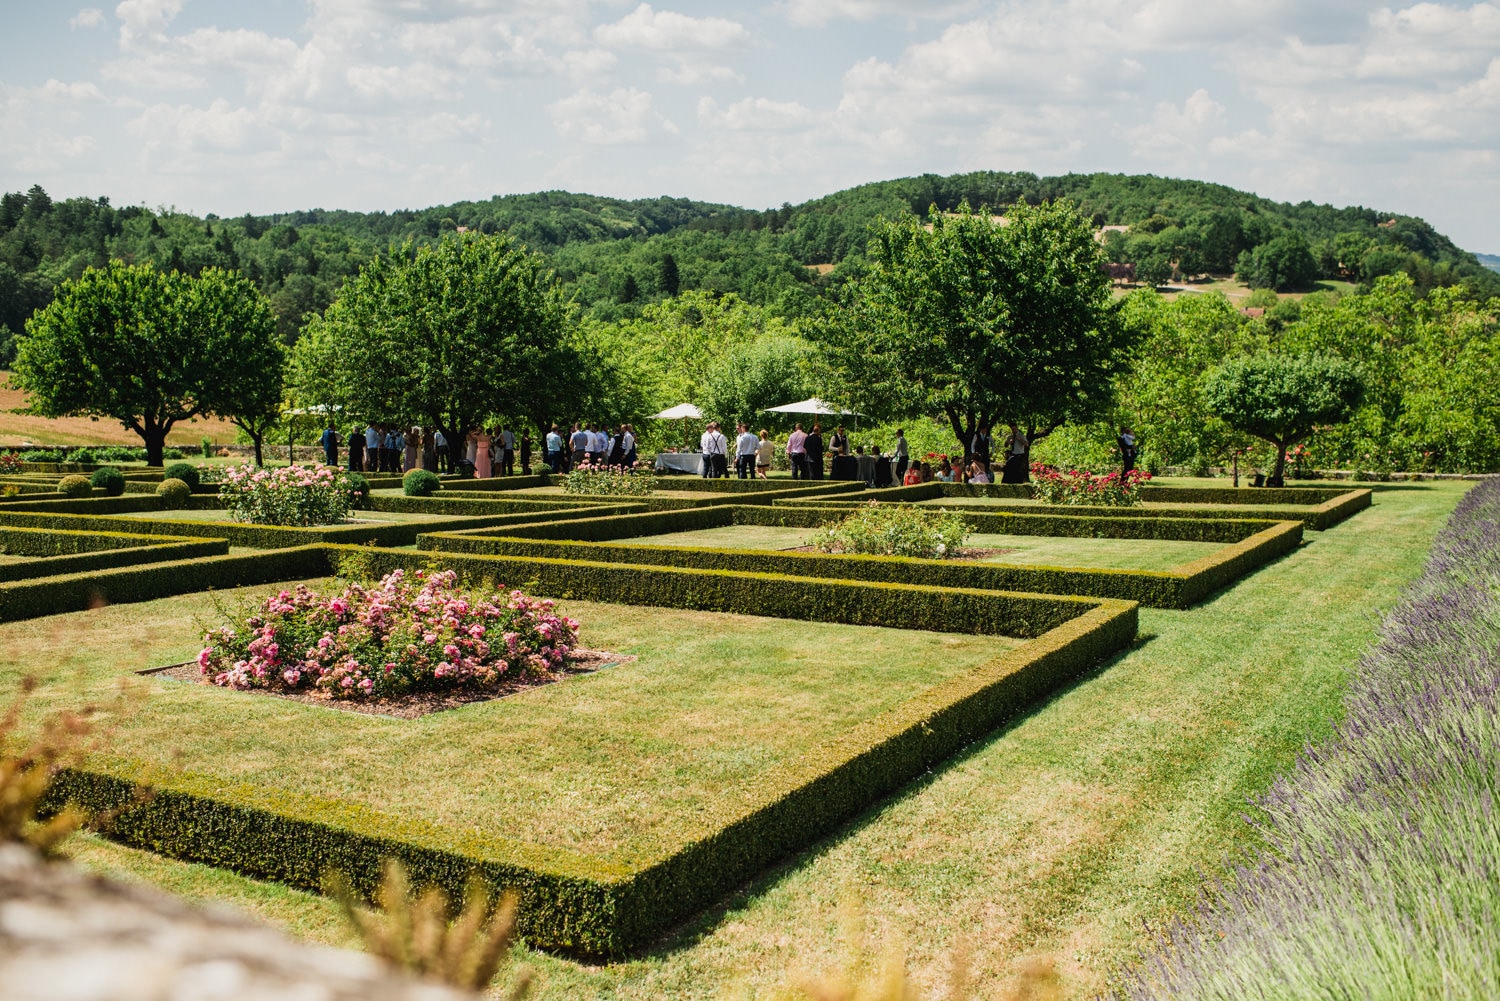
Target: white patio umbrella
812,405
682,410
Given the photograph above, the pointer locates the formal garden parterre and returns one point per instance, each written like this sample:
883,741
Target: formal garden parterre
664,832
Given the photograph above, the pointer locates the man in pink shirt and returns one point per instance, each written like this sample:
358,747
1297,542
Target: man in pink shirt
796,450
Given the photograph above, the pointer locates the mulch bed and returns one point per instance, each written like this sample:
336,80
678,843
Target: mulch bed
418,704
964,553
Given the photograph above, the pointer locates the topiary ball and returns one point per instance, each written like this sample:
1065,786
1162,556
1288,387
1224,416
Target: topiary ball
182,471
173,493
359,490
420,483
110,480
75,486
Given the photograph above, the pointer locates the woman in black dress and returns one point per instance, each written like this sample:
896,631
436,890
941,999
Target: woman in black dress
1017,448
814,446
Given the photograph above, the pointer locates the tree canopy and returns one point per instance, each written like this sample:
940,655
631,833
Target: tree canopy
1283,398
982,320
449,336
150,348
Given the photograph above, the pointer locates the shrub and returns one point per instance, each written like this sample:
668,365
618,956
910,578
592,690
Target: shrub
166,453
75,486
174,493
42,455
209,473
878,529
419,483
611,481
291,495
359,490
402,635
108,479
206,447
1082,487
10,462
184,472
81,455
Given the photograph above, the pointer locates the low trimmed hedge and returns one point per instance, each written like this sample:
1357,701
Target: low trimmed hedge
450,505
498,484
1311,496
144,550
1178,588
31,599
588,906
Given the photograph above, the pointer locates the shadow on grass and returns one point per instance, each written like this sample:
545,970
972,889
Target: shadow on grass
695,929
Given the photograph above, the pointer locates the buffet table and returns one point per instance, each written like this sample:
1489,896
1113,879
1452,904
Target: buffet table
680,462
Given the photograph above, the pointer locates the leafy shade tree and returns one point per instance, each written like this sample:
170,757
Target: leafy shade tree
980,321
450,335
1285,263
756,376
149,349
1282,399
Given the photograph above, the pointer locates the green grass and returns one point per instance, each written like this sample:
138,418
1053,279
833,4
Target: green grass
1113,554
1057,837
598,763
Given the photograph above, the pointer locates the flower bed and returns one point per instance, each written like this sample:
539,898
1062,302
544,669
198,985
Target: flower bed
291,495
1081,487
403,635
611,481
10,462
878,529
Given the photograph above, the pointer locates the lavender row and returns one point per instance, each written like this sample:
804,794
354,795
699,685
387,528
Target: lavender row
1381,875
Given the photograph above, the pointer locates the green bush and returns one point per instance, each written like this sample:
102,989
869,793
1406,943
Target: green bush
42,455
420,483
183,471
876,529
81,455
110,480
174,493
359,491
75,486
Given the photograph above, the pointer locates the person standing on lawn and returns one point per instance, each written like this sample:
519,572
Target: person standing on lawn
763,451
715,449
552,449
903,456
356,451
330,443
373,440
578,441
745,447
1017,447
814,446
796,451
1126,441
507,452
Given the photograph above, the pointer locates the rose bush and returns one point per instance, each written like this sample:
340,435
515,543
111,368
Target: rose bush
404,634
289,495
610,481
893,530
1079,486
10,462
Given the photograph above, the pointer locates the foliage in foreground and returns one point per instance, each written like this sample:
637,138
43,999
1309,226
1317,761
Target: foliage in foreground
893,530
1081,487
399,636
1379,879
415,933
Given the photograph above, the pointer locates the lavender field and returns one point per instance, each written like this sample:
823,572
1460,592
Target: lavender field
1380,876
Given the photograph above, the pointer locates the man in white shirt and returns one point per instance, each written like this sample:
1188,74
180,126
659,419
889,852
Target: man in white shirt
507,452
553,450
598,444
744,453
627,445
715,448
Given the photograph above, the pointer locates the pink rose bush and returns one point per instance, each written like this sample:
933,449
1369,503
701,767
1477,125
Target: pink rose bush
1085,488
603,480
287,495
405,634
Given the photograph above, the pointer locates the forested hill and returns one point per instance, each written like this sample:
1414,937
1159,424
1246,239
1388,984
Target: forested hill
616,255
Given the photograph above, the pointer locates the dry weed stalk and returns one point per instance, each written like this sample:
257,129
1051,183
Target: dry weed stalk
415,934
28,768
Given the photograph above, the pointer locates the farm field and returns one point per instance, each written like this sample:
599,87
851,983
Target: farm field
1054,838
24,429
1115,554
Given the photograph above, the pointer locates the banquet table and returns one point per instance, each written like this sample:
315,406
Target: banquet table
680,462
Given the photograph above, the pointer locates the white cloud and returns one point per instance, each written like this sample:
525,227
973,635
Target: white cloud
669,31
89,17
816,13
756,114
625,115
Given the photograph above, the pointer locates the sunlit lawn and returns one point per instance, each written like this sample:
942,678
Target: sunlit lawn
356,518
1057,837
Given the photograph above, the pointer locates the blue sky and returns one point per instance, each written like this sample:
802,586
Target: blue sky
275,105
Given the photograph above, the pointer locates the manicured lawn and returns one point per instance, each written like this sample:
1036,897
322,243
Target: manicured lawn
1056,838
598,763
1116,554
1021,504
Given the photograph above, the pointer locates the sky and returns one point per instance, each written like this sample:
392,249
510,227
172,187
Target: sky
276,105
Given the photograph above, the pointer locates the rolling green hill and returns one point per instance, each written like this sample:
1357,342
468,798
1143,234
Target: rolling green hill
617,255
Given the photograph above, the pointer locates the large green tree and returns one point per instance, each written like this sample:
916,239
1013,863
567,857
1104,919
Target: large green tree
449,335
1283,399
980,320
150,349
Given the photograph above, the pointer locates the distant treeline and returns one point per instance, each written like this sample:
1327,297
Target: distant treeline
616,257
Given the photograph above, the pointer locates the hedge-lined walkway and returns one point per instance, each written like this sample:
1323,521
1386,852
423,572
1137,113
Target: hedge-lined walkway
1057,838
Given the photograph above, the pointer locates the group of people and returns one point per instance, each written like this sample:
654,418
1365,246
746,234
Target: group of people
380,448
593,444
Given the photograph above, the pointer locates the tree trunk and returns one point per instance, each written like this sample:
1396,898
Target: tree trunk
155,441
256,437
1276,480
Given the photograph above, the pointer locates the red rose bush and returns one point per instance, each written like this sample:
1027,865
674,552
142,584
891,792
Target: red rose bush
1082,487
